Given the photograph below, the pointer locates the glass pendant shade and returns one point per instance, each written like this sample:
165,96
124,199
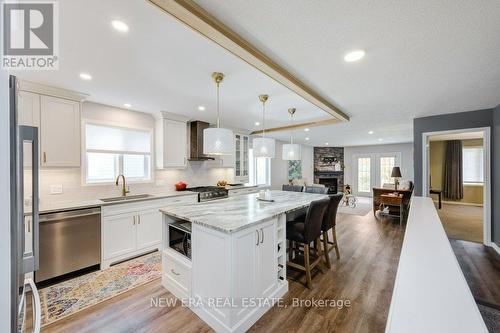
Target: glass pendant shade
217,141
263,147
291,152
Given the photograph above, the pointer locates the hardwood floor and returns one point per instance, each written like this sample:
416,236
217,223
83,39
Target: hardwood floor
365,275
481,267
462,222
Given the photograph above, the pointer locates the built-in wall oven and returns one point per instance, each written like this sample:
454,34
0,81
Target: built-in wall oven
179,237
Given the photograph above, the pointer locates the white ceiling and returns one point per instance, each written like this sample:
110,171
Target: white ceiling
161,64
423,58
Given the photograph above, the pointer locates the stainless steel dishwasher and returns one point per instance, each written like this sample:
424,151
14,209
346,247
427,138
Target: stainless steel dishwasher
69,241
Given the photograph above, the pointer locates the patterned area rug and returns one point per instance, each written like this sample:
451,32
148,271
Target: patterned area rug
69,297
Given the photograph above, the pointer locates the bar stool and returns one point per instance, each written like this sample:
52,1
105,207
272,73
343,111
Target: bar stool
292,188
329,222
304,231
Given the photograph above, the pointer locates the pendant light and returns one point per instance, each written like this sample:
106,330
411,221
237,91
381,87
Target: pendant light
217,140
291,151
263,147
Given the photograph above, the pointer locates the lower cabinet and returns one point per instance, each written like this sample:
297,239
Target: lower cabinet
148,228
241,266
120,235
131,229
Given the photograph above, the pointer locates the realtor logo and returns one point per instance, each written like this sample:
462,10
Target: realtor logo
30,35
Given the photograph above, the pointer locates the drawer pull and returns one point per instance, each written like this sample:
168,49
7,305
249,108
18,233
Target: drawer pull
174,272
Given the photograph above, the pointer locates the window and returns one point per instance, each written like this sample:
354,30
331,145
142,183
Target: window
386,165
364,174
472,158
259,170
110,151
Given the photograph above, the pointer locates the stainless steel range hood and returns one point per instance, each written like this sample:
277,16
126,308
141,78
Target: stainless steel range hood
196,141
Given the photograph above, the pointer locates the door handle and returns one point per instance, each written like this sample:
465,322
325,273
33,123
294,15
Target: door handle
37,308
262,231
44,157
258,237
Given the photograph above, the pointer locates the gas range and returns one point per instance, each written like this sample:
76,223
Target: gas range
207,193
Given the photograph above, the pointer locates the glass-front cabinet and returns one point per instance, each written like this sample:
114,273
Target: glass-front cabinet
241,162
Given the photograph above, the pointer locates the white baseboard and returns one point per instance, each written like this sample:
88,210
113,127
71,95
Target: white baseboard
459,203
493,245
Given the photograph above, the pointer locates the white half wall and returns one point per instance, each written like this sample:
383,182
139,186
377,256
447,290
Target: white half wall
279,167
405,149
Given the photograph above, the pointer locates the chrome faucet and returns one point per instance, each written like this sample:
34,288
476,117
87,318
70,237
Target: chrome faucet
124,188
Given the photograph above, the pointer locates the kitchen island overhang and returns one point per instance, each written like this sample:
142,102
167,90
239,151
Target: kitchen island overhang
237,269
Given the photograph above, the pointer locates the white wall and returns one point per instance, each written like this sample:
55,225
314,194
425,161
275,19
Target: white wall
196,174
4,204
406,150
279,167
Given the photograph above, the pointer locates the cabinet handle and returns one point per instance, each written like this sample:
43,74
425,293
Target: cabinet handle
29,225
258,237
134,221
262,231
139,219
44,157
174,272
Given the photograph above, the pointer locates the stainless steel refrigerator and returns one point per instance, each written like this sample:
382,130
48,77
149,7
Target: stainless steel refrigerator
24,219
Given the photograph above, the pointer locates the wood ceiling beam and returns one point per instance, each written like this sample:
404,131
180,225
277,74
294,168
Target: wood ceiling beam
298,126
203,22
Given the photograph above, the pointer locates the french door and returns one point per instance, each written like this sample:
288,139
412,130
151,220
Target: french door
373,170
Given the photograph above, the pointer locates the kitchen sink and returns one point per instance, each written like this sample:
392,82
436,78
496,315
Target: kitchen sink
126,198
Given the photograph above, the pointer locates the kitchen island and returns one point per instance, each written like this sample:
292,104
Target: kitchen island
236,266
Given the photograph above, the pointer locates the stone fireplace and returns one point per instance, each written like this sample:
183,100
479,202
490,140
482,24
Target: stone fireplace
329,168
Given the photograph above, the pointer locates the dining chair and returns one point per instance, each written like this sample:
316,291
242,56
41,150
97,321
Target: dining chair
329,222
316,189
293,188
304,231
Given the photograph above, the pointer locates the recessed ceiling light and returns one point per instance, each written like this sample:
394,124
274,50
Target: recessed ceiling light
354,55
380,139
127,105
370,132
256,123
307,139
326,143
306,129
85,76
119,25
201,108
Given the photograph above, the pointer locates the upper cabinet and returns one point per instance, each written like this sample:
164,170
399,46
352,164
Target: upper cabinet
60,132
57,119
241,161
171,141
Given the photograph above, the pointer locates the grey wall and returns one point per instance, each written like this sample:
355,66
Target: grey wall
446,122
462,120
495,185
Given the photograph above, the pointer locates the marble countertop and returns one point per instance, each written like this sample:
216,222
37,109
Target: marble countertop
239,212
50,207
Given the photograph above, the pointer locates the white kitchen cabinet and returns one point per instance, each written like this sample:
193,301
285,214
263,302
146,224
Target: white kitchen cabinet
60,132
28,115
119,235
240,265
134,228
28,109
148,228
241,160
171,143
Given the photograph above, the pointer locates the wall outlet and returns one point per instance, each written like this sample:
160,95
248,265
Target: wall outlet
56,189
